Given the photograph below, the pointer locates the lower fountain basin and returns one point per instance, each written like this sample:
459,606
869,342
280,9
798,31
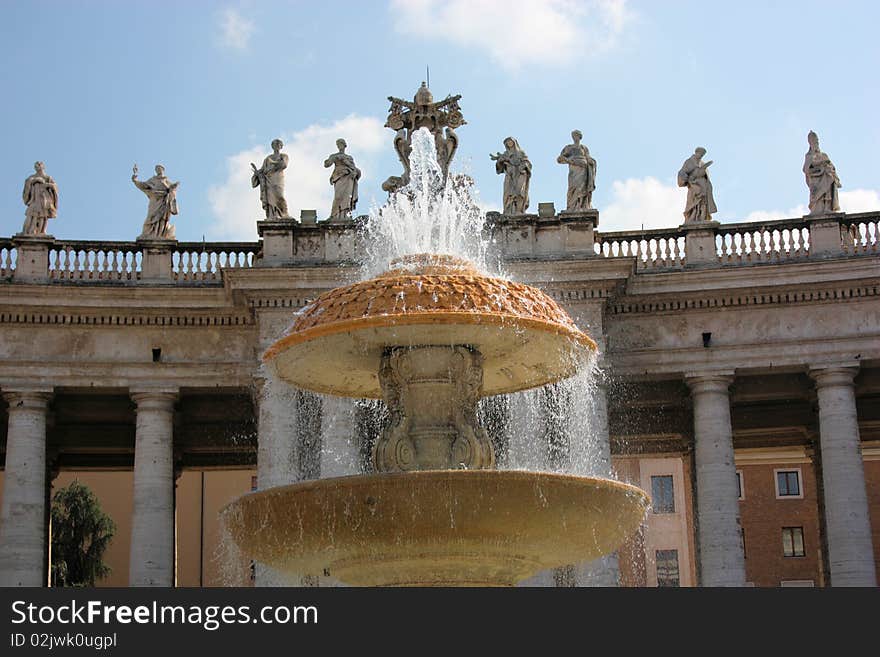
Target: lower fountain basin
435,527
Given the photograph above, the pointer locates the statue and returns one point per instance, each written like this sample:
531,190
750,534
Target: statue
822,179
162,194
344,178
581,174
270,179
700,201
440,119
40,195
517,170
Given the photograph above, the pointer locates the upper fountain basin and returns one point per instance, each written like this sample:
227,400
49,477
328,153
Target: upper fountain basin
335,343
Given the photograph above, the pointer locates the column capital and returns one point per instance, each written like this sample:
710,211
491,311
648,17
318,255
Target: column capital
159,399
834,375
700,382
35,399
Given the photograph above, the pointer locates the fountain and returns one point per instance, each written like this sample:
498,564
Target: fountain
430,336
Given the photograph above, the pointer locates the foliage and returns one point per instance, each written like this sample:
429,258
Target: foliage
81,533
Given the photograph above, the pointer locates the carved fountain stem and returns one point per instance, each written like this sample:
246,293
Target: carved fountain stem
432,394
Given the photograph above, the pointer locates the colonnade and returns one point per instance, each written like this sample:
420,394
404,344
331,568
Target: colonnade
720,554
850,553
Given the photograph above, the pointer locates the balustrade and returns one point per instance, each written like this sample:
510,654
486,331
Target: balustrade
859,233
196,262
768,241
653,249
8,255
94,261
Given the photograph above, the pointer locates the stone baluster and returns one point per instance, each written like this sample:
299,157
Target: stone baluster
152,523
722,562
23,512
850,550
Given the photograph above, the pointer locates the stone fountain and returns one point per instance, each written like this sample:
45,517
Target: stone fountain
431,336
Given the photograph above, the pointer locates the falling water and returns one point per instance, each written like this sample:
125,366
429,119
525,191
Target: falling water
430,215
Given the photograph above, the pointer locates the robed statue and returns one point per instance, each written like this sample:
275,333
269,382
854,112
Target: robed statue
40,197
270,179
517,170
822,180
162,195
700,201
344,178
581,174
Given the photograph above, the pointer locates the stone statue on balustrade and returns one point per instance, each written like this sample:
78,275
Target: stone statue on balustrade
344,179
270,179
440,119
822,179
517,170
700,201
162,195
40,197
581,174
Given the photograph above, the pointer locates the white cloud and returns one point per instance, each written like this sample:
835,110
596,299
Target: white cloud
773,215
643,203
517,32
235,29
236,204
856,200
860,200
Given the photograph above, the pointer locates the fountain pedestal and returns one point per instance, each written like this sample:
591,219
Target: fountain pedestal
432,394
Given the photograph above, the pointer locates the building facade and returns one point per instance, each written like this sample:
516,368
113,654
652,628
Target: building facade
742,390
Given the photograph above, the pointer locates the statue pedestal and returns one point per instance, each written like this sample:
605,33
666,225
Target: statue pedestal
578,230
277,237
699,242
156,267
825,236
32,259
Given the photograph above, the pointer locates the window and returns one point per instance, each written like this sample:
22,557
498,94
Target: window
667,567
662,494
793,541
739,485
788,483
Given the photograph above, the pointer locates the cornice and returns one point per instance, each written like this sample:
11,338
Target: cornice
827,292
109,317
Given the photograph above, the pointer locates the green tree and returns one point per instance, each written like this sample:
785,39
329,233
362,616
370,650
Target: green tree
81,532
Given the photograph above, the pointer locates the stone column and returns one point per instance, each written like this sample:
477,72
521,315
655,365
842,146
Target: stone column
604,571
719,535
850,550
152,522
277,453
23,514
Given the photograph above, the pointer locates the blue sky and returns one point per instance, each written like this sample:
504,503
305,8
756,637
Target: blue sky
90,87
